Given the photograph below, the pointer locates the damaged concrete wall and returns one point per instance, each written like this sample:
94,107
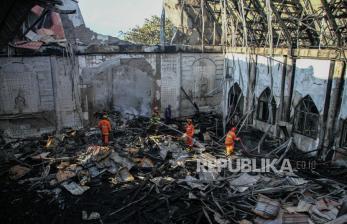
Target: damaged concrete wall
311,78
157,79
66,92
171,82
119,82
202,76
236,72
37,95
76,30
268,78
70,90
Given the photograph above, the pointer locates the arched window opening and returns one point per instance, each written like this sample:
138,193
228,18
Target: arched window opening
235,99
235,104
306,118
264,107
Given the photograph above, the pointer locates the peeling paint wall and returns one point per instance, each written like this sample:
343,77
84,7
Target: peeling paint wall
268,78
311,78
264,76
238,66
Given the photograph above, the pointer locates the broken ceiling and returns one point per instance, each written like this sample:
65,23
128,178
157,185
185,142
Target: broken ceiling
293,24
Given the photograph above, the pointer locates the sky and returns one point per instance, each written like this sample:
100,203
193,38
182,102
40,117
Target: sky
111,16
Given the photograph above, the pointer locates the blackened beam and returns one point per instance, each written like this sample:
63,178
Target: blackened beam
332,21
282,25
190,100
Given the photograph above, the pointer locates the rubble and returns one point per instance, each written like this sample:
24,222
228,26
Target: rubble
155,179
18,171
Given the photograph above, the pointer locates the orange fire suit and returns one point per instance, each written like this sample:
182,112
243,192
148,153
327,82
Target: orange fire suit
230,141
189,133
105,128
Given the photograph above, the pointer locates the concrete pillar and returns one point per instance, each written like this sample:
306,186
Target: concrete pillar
281,109
84,104
288,93
323,119
252,73
334,99
280,115
156,83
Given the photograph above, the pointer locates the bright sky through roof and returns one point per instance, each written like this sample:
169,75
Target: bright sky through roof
111,16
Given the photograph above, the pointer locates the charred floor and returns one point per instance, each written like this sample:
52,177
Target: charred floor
148,176
240,116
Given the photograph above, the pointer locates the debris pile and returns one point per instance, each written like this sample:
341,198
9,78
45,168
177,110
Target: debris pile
145,178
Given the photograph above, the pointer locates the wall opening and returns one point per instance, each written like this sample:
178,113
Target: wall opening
264,107
306,118
235,103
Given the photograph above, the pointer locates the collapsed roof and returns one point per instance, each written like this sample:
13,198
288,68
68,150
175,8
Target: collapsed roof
13,13
33,23
288,23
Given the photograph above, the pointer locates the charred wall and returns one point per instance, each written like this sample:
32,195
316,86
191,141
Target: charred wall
294,83
43,94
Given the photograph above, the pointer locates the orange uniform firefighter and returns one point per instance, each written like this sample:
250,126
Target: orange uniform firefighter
230,141
105,128
189,133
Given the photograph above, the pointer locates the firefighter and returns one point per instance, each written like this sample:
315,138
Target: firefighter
230,141
189,134
105,128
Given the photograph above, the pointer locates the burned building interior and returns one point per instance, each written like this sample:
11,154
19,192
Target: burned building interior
274,70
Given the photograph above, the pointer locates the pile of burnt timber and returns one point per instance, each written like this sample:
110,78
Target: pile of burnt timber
146,178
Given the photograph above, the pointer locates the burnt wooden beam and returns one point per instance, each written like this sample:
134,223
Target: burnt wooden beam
332,22
282,25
